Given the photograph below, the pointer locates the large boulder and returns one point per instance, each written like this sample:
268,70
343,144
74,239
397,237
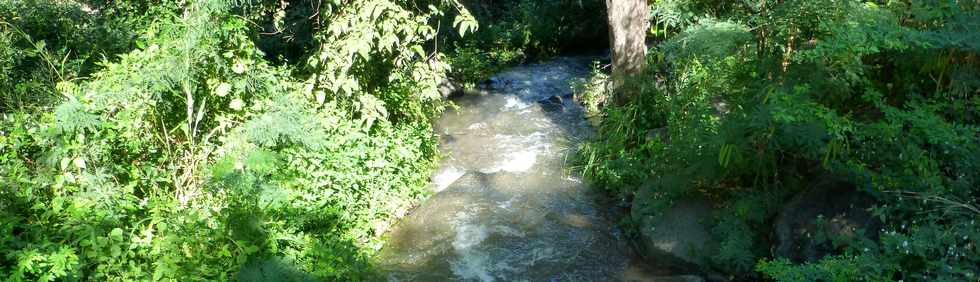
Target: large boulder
449,89
678,237
832,208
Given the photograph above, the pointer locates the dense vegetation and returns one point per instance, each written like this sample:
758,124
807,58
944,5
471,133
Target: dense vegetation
244,140
517,31
157,140
749,103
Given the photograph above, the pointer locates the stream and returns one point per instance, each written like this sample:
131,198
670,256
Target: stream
506,206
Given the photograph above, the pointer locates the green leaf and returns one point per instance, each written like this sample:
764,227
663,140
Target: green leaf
465,23
116,234
418,50
64,163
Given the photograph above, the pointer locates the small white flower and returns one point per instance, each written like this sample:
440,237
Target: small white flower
236,104
905,244
223,89
238,67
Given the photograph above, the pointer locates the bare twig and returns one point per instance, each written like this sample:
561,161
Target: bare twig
939,199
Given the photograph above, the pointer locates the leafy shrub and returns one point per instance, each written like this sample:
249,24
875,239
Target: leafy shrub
593,92
45,42
193,158
513,31
471,64
747,105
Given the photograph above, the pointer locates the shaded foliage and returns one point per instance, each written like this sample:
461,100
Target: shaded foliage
513,31
747,102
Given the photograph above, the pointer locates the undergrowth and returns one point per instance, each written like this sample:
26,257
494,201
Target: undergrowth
750,106
516,31
189,156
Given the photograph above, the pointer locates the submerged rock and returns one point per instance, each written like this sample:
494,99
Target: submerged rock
831,208
492,83
555,99
554,103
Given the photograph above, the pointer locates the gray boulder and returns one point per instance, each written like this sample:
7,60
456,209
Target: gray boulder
844,210
679,237
449,88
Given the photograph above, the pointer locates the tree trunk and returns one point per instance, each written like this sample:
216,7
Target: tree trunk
628,24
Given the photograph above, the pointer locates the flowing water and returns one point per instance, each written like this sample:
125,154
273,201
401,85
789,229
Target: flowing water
506,207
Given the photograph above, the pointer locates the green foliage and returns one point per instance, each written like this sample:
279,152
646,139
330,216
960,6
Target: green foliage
708,40
191,157
471,64
513,31
942,252
745,103
548,27
836,269
593,92
739,245
44,42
